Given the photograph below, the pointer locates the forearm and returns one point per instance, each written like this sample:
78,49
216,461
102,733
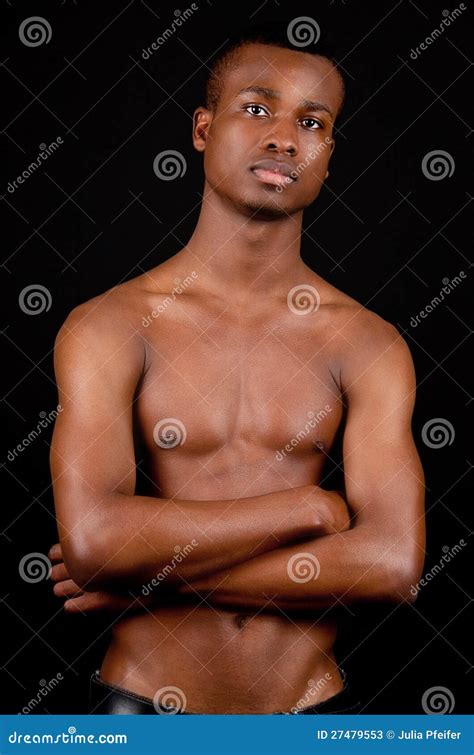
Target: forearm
318,573
137,539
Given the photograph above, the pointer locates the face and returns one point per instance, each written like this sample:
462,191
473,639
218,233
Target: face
268,143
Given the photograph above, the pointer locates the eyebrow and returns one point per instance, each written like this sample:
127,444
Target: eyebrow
273,94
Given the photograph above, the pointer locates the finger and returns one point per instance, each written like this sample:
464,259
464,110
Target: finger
55,553
59,572
67,589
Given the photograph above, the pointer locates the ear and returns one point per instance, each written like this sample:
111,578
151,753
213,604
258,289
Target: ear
331,150
202,119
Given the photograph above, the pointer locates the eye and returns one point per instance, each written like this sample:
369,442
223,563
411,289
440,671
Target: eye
312,121
253,108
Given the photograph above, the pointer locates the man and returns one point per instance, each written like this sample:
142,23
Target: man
235,386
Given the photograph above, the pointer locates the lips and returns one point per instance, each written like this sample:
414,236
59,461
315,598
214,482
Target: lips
274,172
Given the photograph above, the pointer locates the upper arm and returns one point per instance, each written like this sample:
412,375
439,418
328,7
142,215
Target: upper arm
98,361
384,480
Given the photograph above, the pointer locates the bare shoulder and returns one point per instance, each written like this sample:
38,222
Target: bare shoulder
376,357
105,327
365,344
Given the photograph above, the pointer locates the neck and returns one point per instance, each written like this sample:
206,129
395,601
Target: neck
240,255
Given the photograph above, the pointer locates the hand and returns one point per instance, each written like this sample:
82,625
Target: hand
338,517
79,601
328,508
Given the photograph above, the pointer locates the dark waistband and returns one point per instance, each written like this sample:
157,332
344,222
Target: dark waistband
106,698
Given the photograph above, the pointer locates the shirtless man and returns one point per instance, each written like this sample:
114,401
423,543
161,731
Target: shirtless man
235,388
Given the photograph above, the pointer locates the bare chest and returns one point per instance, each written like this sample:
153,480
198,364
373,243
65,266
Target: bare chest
246,383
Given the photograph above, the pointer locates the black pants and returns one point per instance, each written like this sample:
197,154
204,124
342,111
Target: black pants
108,698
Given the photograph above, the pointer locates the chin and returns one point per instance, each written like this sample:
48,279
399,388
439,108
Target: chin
266,210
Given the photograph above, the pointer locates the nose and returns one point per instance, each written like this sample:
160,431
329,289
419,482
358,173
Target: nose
281,139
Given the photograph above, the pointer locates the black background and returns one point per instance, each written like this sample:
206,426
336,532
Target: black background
95,214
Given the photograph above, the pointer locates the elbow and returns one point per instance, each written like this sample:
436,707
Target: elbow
86,561
401,581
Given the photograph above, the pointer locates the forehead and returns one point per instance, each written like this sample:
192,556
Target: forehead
296,75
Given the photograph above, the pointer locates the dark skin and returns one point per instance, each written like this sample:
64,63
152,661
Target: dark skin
241,372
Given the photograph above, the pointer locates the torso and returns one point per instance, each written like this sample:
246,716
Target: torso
255,389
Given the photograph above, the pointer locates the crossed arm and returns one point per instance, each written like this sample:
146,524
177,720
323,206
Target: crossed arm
249,550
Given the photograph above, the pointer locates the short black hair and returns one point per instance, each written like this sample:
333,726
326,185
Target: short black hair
227,58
